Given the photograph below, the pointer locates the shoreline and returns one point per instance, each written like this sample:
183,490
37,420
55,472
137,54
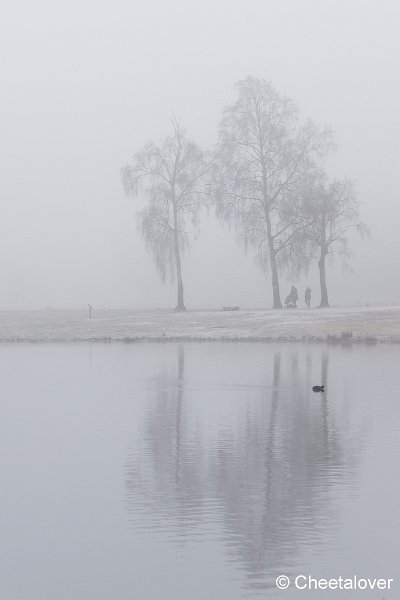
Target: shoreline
344,325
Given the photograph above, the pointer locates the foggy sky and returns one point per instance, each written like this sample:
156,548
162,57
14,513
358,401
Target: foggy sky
86,84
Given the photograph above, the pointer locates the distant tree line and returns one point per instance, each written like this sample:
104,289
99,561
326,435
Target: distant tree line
265,178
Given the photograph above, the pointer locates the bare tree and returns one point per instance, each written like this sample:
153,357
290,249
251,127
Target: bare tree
332,210
171,177
263,153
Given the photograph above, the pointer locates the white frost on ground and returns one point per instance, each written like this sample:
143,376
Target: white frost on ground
333,324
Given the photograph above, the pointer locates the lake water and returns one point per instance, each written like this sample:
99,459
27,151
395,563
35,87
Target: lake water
197,471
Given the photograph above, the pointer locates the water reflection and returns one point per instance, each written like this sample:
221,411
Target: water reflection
260,473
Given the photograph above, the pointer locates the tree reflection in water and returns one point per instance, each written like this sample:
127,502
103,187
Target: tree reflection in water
260,478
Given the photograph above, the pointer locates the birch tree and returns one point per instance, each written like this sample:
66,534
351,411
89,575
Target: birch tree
332,211
263,153
171,177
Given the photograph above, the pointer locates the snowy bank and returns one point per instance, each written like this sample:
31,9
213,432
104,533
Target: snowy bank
343,325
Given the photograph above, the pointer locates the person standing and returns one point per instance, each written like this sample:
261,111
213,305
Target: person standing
294,296
307,296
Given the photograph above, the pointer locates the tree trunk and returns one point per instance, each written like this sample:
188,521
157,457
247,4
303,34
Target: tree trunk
276,295
322,279
275,284
180,306
321,263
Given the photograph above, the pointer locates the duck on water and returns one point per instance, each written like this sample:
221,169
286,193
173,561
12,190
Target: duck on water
318,388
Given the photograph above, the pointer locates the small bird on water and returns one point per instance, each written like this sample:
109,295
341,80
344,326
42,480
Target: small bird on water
318,388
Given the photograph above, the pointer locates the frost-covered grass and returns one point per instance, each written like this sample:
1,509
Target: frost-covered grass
333,325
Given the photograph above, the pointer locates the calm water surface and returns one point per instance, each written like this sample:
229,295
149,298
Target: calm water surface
196,471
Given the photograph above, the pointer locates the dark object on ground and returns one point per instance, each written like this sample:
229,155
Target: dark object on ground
307,296
318,388
230,308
